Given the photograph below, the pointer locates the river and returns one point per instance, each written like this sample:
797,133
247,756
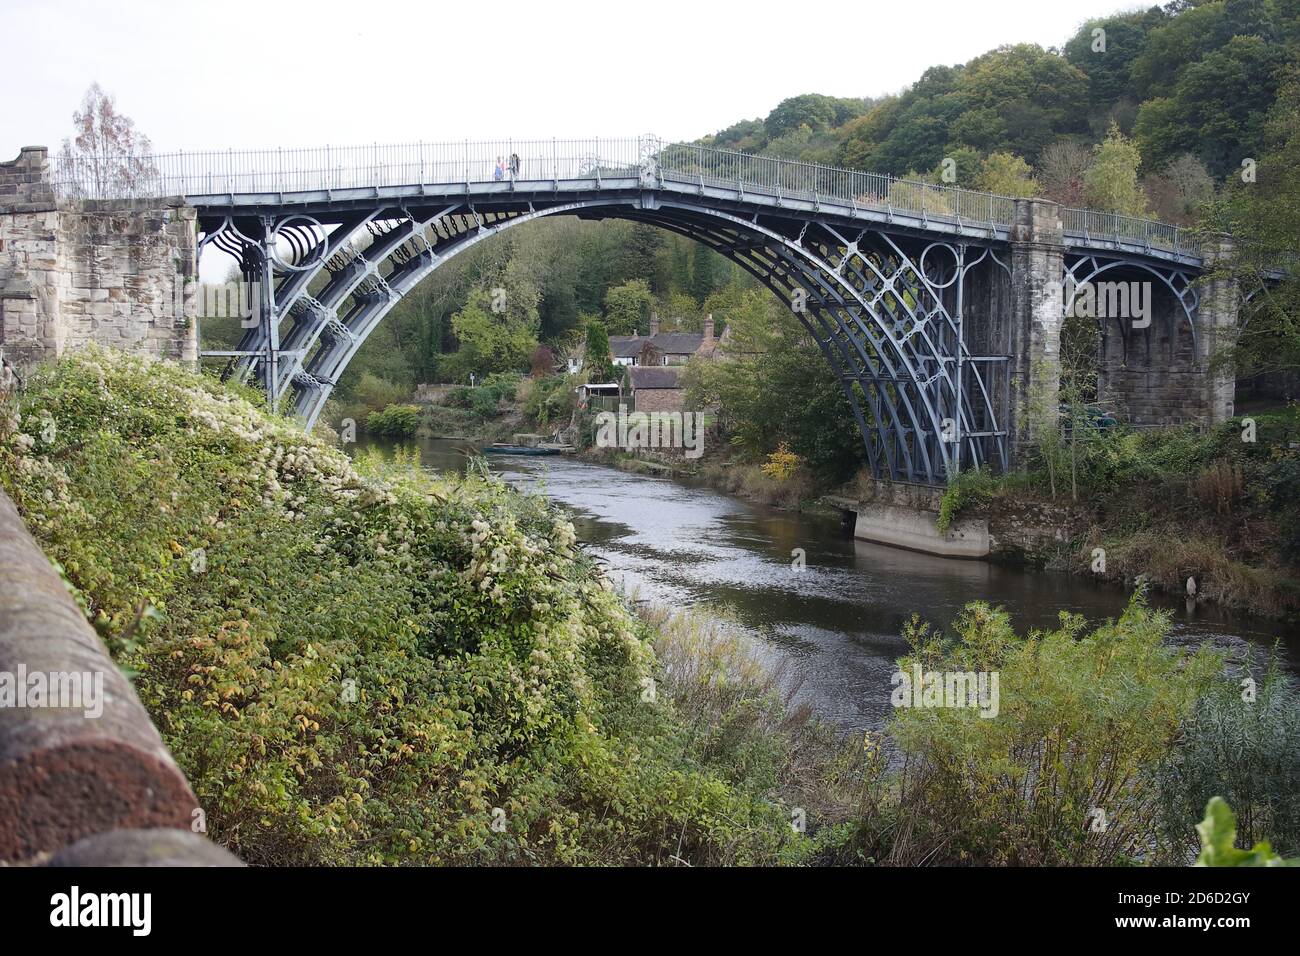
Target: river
835,625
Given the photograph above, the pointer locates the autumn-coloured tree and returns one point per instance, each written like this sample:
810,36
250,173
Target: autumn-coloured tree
1061,169
542,362
107,158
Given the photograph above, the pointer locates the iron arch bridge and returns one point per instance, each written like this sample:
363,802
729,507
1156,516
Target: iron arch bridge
905,287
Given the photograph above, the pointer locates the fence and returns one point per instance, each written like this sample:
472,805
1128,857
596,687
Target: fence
406,164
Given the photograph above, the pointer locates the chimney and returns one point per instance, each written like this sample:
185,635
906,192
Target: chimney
654,323
708,332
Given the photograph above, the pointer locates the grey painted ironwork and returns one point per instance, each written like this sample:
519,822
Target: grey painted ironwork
878,269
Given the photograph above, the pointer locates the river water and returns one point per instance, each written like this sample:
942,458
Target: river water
834,626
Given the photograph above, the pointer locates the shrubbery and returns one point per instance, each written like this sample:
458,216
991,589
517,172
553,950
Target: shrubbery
484,399
360,664
395,421
1241,742
1062,774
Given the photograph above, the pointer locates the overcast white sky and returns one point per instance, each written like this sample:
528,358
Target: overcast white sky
251,73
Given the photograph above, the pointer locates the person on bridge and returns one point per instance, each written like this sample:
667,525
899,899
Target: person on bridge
500,173
514,166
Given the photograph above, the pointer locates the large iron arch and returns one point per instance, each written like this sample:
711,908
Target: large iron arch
888,319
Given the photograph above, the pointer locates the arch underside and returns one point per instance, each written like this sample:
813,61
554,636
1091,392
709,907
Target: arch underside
885,310
1177,285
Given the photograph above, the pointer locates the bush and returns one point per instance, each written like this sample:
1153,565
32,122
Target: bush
781,464
1244,750
1062,775
395,421
551,401
376,393
966,489
360,663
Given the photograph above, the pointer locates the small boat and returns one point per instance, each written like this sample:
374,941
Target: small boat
501,448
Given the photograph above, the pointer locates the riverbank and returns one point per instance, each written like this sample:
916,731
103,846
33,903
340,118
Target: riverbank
1162,509
1213,516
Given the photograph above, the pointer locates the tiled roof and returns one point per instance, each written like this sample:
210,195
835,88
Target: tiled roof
666,343
653,376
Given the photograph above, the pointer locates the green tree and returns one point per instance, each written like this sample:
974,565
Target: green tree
597,360
1007,175
813,110
1111,182
627,308
959,167
702,272
1218,108
1108,58
1268,212
490,341
774,386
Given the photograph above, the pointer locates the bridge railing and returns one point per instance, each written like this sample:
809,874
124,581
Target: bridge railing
1091,224
406,164
347,167
789,178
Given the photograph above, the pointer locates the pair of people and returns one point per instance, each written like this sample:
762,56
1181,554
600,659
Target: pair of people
501,169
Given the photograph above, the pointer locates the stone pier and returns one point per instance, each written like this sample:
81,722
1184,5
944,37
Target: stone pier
118,273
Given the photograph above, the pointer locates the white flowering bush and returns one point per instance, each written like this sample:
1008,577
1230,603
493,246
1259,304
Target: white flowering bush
359,662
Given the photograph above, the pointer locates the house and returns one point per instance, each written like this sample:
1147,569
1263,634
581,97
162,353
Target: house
656,388
662,348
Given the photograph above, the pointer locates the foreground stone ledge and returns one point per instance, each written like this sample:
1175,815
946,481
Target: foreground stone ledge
65,775
158,847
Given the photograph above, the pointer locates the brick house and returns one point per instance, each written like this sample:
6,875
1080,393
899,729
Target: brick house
655,388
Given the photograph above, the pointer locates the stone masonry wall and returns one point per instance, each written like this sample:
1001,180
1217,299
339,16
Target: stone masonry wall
117,273
1037,253
660,400
1155,379
1163,375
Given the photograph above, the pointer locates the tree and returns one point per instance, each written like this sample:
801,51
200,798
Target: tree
772,385
1182,39
106,158
489,341
1107,58
542,362
684,311
813,110
1111,182
627,308
1007,175
1179,190
702,272
1267,211
960,167
1218,108
1037,94
597,361
1061,169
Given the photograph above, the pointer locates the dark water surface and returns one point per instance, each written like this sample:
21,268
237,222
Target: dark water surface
834,626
